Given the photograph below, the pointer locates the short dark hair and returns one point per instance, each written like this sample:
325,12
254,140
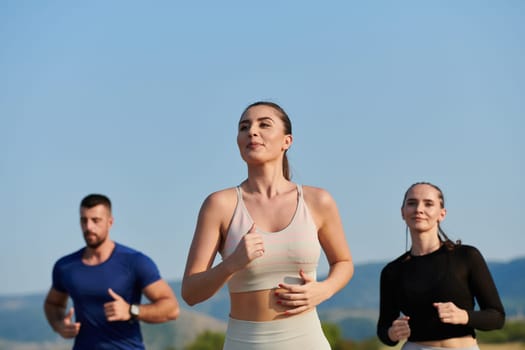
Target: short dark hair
94,199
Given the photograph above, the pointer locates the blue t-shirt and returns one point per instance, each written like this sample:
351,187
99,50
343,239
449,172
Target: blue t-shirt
127,272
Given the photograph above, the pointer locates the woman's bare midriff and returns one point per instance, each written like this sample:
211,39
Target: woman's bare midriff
258,306
460,342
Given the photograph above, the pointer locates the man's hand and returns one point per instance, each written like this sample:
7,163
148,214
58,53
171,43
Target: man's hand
118,309
68,328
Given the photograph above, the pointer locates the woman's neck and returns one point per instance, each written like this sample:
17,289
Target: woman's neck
425,245
267,182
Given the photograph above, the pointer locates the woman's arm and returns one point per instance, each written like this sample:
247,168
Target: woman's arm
201,281
491,314
388,308
333,241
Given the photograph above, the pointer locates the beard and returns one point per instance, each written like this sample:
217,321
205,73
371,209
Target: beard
93,243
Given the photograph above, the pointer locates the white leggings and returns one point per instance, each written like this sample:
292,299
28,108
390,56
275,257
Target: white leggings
297,332
413,346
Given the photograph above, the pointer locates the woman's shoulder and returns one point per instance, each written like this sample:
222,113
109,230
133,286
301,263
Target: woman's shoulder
468,252
398,260
221,197
393,267
218,207
467,248
317,194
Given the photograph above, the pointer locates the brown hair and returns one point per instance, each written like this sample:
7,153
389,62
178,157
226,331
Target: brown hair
287,129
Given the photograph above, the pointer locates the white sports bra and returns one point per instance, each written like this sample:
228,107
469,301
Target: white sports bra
287,251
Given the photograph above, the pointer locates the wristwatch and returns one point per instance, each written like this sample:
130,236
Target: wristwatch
134,311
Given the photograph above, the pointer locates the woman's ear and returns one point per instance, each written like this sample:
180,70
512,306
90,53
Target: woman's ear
442,214
288,140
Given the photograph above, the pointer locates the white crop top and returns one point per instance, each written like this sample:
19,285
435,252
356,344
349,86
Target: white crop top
286,252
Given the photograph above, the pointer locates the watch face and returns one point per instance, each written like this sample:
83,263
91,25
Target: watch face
134,310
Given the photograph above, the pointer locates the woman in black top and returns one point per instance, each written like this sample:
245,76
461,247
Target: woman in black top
427,295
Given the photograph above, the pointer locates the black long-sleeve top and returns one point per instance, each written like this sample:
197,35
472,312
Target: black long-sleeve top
411,284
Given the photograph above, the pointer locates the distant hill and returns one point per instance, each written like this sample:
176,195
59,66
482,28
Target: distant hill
510,280
354,309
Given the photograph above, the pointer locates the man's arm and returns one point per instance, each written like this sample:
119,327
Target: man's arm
55,310
163,304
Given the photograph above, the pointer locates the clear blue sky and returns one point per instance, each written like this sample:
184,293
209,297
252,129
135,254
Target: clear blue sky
140,101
